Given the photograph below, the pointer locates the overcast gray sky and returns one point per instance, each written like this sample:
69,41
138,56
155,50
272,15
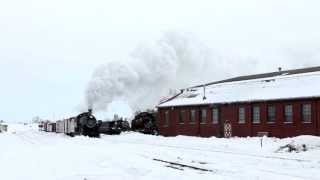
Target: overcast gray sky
49,49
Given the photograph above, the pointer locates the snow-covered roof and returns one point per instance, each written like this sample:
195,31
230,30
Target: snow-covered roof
280,86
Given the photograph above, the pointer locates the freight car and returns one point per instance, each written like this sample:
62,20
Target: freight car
145,122
60,126
70,126
52,127
43,125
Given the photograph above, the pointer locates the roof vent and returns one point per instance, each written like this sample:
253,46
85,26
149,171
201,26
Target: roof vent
204,93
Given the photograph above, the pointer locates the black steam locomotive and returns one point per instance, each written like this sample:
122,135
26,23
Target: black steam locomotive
145,122
87,124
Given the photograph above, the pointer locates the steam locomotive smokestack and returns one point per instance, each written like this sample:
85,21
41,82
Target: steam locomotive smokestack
90,111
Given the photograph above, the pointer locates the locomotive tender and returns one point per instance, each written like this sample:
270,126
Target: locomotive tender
114,127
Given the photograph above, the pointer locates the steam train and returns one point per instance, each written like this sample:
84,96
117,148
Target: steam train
145,122
86,124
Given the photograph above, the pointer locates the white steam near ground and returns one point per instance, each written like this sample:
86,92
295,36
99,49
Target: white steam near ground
178,60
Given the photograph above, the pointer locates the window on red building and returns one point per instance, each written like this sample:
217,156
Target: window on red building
271,114
192,116
306,112
166,118
288,113
242,115
203,116
181,117
256,114
215,116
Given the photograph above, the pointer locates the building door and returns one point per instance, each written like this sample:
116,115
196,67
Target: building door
227,129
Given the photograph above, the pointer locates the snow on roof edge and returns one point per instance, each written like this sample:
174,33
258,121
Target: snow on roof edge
282,76
234,102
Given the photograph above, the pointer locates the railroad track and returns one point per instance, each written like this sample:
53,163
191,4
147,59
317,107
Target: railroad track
180,166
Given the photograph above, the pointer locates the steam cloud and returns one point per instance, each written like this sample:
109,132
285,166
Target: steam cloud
175,61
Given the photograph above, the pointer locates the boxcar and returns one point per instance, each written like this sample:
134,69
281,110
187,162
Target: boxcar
60,126
70,126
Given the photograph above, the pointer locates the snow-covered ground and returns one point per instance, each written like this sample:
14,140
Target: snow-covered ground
27,154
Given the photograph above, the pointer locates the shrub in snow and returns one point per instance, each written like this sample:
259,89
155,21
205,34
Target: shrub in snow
292,148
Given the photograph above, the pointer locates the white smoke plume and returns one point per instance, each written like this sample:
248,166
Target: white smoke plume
175,61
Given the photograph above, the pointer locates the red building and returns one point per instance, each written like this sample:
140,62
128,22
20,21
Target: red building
278,104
